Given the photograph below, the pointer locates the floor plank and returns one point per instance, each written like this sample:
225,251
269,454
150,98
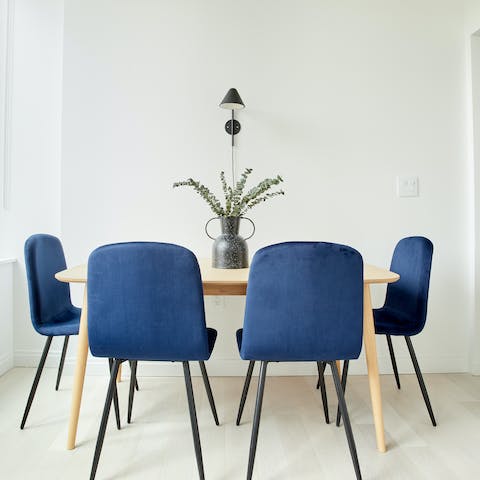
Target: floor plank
294,441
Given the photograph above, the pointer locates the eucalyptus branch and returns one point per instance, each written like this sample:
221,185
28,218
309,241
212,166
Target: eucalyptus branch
205,193
227,192
258,190
235,204
260,200
237,193
228,201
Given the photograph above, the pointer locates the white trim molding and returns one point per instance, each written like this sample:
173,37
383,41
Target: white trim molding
6,363
7,8
222,367
4,261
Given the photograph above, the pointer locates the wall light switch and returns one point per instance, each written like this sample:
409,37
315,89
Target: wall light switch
407,186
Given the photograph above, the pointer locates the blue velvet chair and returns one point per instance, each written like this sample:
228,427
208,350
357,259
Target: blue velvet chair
404,312
145,302
304,304
51,309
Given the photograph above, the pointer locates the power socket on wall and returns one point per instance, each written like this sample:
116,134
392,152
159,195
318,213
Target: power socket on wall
407,186
219,301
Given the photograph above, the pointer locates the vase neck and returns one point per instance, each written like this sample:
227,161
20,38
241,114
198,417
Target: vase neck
230,225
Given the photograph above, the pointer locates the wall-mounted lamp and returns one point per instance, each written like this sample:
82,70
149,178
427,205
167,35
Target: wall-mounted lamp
232,101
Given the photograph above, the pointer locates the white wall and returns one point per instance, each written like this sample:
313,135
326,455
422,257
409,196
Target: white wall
341,98
33,204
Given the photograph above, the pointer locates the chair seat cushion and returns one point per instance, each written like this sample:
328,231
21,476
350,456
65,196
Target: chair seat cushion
212,336
392,322
65,324
239,338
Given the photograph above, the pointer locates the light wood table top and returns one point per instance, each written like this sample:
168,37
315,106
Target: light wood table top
218,281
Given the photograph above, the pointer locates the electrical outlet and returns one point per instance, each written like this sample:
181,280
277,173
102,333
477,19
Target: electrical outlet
218,301
407,186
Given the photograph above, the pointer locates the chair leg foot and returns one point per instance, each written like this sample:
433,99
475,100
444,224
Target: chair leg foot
106,411
46,348
133,379
115,398
321,383
62,361
256,419
394,362
208,388
346,420
193,419
246,386
423,388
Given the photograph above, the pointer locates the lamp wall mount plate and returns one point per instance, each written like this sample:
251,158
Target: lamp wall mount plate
236,127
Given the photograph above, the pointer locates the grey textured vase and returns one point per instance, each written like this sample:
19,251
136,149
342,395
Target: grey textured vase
229,249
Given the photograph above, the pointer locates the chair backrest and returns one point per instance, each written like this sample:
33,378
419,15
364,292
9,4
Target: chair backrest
304,303
145,302
412,260
49,298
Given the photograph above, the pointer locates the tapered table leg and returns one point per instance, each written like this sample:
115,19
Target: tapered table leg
79,377
372,366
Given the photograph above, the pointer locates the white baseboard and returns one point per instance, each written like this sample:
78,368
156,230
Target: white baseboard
237,367
6,363
475,368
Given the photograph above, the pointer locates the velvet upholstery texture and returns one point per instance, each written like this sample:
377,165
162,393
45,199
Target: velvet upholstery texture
51,309
405,309
304,303
145,302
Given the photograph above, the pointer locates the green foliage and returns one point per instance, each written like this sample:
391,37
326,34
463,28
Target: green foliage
236,203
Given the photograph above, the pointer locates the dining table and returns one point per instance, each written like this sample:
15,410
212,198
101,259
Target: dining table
219,282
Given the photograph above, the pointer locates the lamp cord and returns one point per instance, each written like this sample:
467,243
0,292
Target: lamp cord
233,158
233,169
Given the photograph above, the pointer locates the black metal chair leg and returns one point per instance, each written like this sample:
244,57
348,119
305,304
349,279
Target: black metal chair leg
106,410
423,388
62,361
134,374
394,362
256,418
115,398
208,388
346,420
133,378
321,383
246,386
193,419
344,387
319,364
46,348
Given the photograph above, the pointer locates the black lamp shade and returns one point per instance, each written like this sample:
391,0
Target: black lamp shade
232,100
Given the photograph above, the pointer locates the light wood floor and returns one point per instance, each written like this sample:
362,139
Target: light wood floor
294,441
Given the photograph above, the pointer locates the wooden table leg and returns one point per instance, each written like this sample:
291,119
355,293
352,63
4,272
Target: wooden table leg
372,366
79,377
119,374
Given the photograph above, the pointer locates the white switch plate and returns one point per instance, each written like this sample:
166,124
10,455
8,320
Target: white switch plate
407,186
